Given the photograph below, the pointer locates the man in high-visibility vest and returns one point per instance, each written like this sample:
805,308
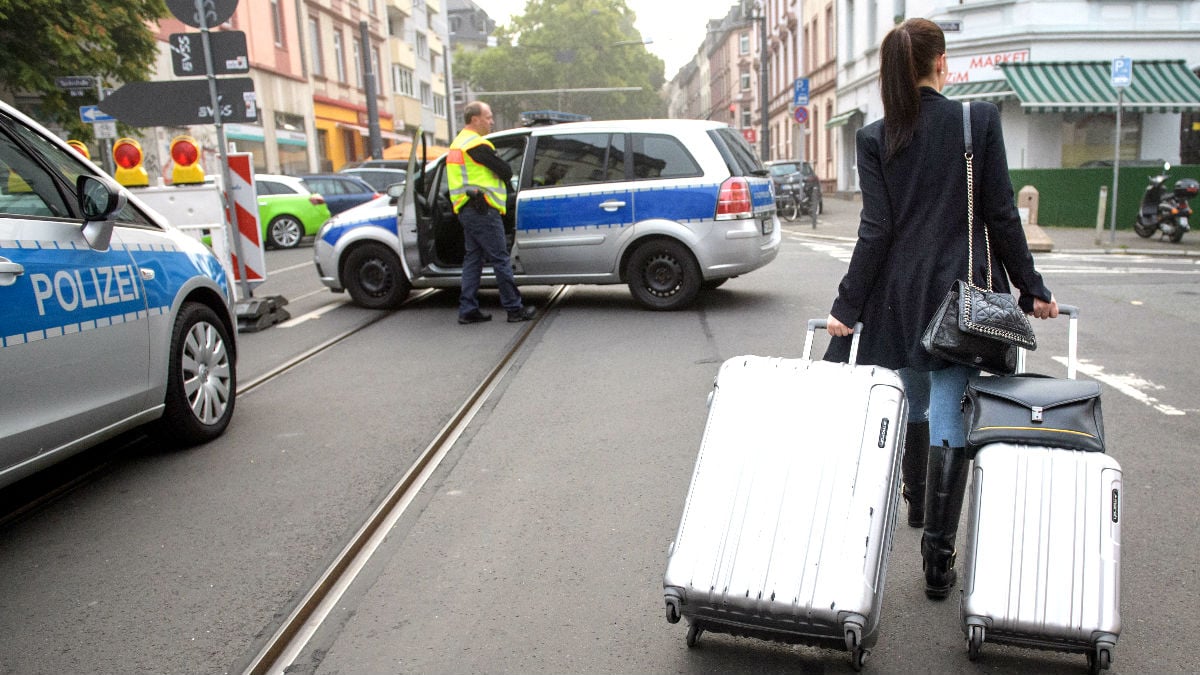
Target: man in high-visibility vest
478,191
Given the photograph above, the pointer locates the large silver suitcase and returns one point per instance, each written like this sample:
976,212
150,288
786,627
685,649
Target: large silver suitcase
1043,550
789,519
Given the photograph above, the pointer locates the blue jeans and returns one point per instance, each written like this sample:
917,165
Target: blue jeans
483,235
936,396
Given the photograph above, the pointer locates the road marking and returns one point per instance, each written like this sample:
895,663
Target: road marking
304,265
1131,385
315,314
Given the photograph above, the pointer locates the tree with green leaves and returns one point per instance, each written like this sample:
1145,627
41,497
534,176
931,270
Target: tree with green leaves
562,45
41,40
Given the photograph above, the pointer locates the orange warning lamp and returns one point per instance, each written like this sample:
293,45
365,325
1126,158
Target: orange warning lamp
79,147
185,152
127,153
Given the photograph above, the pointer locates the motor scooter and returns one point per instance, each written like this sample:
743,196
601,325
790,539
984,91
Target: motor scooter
1165,212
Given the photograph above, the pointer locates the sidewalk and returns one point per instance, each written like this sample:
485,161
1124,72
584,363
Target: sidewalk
839,220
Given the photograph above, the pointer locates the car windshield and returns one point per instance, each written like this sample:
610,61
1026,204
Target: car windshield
784,169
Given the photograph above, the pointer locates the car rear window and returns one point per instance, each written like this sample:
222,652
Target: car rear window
737,153
662,156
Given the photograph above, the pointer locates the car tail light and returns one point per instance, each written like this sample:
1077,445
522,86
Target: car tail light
316,199
734,199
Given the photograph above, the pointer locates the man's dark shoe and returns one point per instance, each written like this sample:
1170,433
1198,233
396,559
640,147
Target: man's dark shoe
523,314
475,316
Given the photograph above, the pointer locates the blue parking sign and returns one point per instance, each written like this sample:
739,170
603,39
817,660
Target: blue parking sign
1122,72
800,91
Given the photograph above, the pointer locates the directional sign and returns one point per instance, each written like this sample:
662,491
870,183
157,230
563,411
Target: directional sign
1122,72
228,53
91,113
182,102
216,12
800,91
75,82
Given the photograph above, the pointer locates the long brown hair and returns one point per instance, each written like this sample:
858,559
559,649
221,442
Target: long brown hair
906,56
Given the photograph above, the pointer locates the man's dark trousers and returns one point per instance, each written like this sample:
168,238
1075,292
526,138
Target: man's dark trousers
484,243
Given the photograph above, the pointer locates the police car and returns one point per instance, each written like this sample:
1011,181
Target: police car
109,317
669,207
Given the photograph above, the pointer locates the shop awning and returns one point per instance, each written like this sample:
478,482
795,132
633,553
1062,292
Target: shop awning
842,118
366,131
988,90
1086,86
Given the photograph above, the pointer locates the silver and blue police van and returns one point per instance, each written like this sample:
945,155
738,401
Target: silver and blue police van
668,207
110,318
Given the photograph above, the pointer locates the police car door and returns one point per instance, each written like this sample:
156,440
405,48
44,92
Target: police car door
74,342
574,204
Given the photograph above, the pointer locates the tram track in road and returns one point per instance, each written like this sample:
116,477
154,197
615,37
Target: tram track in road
293,635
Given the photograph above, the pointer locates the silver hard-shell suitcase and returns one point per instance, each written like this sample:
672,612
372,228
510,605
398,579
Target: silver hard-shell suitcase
789,518
1043,548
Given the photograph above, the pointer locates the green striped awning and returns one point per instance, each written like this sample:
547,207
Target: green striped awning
988,90
842,118
1086,86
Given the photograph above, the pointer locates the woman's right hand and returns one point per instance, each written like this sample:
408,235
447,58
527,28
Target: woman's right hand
1045,310
837,328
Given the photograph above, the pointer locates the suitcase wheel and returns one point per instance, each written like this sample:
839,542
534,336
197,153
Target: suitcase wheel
672,612
1099,659
858,654
974,642
693,634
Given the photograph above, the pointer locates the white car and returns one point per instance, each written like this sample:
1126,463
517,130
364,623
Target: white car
669,207
109,317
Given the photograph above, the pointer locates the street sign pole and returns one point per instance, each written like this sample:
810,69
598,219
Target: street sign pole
105,152
231,220
1122,76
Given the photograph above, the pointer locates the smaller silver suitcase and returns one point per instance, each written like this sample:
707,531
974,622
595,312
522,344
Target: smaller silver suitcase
789,518
1043,550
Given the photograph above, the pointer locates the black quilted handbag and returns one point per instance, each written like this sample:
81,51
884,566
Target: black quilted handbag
977,326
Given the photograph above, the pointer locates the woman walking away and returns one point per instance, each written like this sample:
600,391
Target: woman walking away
912,245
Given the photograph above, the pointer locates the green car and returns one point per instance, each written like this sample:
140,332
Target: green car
287,210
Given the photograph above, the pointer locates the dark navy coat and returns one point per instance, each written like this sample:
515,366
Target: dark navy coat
912,235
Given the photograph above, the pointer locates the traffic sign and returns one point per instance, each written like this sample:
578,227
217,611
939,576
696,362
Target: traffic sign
91,113
105,129
228,53
182,102
800,91
801,115
1122,72
216,12
74,82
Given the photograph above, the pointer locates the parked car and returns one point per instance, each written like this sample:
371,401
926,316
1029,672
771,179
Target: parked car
287,210
783,169
668,207
341,191
110,318
401,164
377,177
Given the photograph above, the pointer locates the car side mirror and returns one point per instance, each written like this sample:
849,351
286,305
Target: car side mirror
99,199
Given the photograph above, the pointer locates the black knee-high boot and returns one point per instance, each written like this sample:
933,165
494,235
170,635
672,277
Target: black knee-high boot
946,486
912,468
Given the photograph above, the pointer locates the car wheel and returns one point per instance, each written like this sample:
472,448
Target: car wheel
374,278
663,275
201,378
285,232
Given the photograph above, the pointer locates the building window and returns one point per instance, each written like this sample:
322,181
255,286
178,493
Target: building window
745,79
339,56
746,121
830,41
358,71
439,105
422,46
402,80
314,38
277,22
377,69
426,95
744,43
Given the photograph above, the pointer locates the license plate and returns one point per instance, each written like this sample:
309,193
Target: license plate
768,225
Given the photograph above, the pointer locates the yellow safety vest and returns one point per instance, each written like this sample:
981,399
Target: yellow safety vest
465,173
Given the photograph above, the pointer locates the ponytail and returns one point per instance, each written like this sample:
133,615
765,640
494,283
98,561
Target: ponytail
906,56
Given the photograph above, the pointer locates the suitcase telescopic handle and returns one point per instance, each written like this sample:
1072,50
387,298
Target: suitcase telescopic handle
1072,313
814,324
